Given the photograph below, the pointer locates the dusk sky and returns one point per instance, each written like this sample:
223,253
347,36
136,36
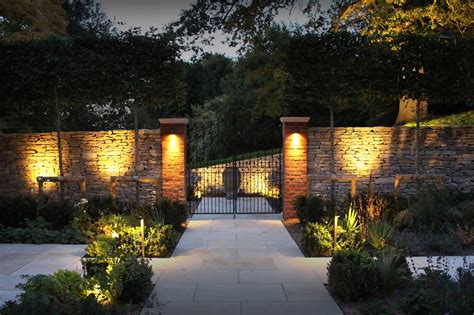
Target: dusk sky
146,13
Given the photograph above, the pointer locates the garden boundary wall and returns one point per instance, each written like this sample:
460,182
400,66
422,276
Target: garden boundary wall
380,153
95,155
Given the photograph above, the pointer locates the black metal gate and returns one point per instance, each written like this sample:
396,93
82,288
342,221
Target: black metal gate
225,175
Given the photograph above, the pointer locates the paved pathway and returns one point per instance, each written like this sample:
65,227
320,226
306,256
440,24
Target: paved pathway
247,266
28,259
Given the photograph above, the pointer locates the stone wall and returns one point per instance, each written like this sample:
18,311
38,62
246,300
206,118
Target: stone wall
94,155
383,152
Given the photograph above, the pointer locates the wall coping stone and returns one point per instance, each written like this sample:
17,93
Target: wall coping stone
173,121
295,119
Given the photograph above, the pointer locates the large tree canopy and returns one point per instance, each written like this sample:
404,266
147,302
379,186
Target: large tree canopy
30,19
241,21
416,17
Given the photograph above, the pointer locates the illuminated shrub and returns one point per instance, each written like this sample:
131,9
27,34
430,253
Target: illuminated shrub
353,275
64,292
379,234
317,240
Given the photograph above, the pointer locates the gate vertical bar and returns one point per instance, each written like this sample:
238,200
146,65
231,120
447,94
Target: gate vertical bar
234,171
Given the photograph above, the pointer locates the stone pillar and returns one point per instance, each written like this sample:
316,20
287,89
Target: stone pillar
173,157
295,162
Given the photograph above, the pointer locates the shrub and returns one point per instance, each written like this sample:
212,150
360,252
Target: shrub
59,214
393,270
14,210
159,239
403,220
429,295
171,212
99,206
102,248
60,293
379,234
40,232
125,279
131,280
317,240
463,296
349,233
311,208
433,209
428,243
376,308
436,292
352,275
113,223
123,238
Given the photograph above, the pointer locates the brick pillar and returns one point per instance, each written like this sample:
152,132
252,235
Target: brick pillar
295,162
173,157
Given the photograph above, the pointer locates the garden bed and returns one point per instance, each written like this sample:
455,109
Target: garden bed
376,266
115,279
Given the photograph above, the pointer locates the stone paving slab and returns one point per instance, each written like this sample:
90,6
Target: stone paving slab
239,292
249,265
200,276
31,259
290,308
195,308
278,276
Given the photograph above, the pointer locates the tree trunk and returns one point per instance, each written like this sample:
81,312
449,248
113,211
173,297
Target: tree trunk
137,153
333,172
407,110
58,133
417,135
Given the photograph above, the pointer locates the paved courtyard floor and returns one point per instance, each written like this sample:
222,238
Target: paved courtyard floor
250,265
28,259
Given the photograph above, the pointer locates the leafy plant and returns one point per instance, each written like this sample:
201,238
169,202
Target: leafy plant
433,209
15,210
58,214
125,279
102,248
123,238
317,240
40,232
318,237
436,292
353,275
403,220
171,212
376,308
393,270
427,243
349,234
311,208
379,234
60,293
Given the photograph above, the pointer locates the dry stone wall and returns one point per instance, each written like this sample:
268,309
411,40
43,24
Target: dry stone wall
95,155
381,153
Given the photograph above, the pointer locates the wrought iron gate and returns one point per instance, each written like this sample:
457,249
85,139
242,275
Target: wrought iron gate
224,179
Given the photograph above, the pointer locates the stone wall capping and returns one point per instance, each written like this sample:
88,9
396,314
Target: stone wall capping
295,119
164,121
